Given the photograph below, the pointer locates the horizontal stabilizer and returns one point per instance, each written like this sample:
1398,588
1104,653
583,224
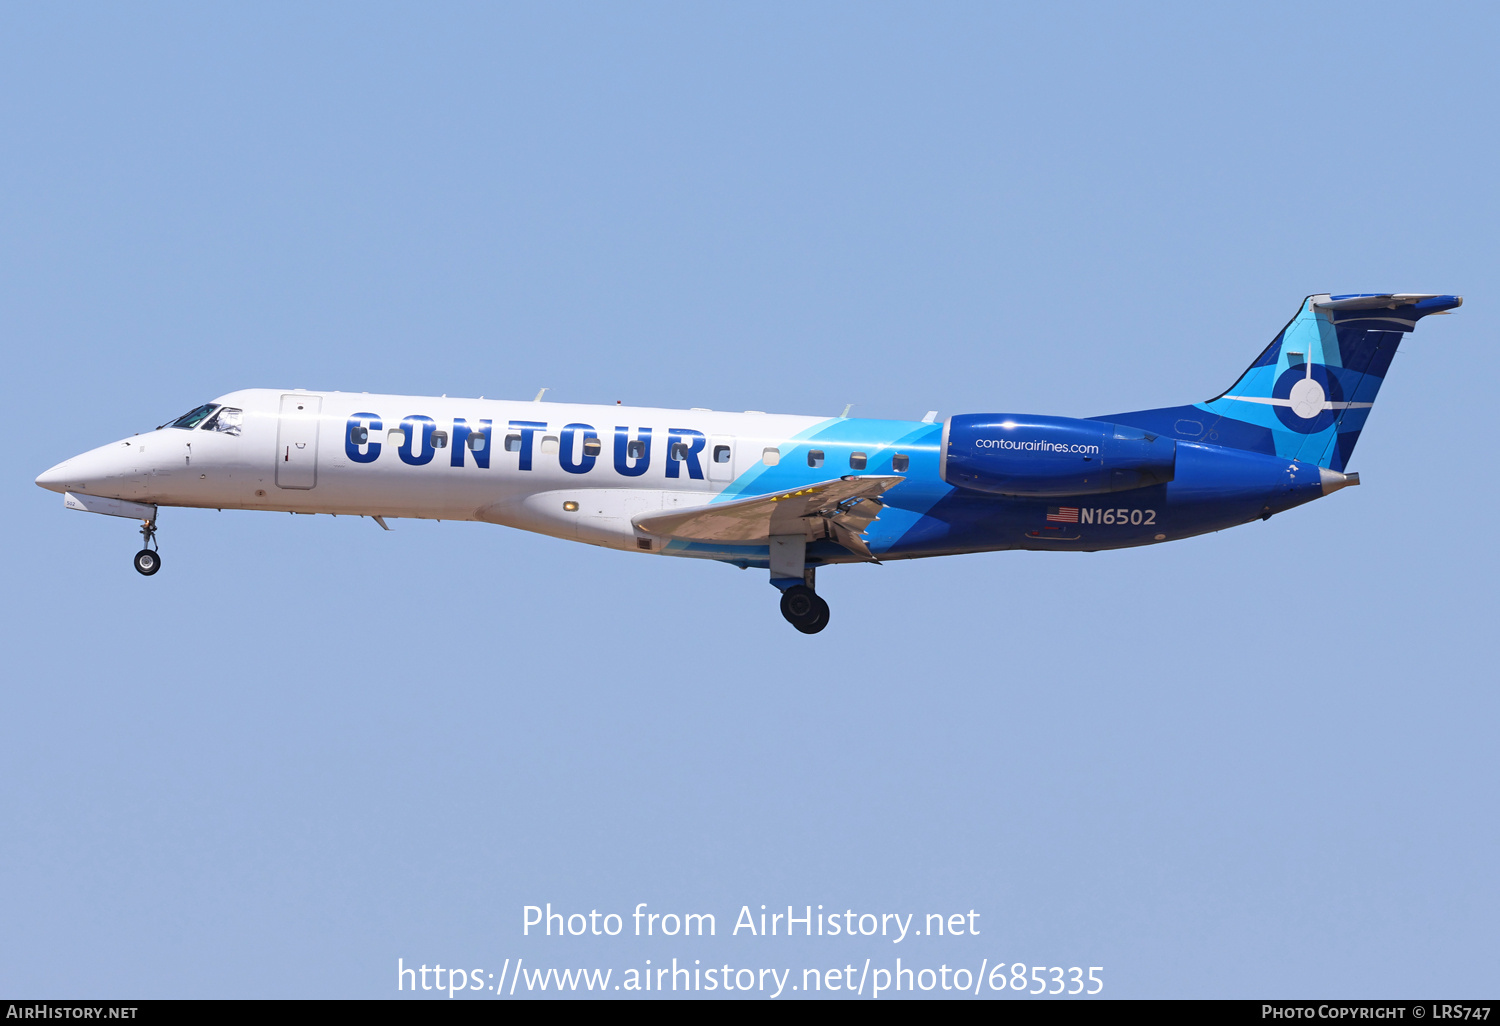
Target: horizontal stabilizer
1420,302
847,505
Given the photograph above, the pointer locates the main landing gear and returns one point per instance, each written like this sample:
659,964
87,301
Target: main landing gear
803,609
789,572
148,560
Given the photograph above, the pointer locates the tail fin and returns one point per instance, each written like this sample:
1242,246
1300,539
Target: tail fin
1308,395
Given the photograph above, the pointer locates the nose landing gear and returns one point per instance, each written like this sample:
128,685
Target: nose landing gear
148,560
803,609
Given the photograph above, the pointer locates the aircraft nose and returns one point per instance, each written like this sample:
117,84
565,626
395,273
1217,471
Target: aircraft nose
87,472
53,479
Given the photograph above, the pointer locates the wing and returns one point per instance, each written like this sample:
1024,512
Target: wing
840,510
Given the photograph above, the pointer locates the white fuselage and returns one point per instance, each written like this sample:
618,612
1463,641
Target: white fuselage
294,451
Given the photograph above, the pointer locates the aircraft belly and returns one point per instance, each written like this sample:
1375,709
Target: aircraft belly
600,516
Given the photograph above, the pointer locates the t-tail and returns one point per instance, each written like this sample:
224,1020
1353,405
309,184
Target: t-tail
1308,395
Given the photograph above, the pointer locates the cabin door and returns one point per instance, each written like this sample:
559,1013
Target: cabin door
297,441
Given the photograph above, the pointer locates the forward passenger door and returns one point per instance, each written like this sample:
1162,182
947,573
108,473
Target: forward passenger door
297,441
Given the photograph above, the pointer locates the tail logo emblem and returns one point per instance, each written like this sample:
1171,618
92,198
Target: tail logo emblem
1302,399
1307,399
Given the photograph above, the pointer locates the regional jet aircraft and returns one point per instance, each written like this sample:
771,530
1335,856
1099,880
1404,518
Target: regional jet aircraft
783,493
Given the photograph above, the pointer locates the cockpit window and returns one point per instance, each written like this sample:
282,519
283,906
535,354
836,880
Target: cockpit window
192,418
227,420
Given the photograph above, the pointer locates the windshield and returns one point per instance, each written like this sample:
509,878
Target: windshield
227,420
192,418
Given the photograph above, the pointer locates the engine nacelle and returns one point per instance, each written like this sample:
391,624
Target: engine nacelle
1022,455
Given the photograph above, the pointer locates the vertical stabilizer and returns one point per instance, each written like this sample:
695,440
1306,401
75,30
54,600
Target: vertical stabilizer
1308,395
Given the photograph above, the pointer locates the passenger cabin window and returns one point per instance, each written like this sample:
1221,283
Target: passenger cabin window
395,436
359,434
192,418
512,443
549,445
635,450
679,451
815,457
440,439
899,463
592,446
858,460
476,442
721,454
771,457
227,421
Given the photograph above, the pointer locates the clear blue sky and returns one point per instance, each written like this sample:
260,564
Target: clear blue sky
1256,763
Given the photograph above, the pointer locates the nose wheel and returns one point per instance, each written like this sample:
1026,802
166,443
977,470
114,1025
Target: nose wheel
148,560
803,609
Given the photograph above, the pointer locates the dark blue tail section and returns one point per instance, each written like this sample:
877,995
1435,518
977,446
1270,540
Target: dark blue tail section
1306,397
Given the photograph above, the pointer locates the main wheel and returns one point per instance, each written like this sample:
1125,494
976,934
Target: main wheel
798,604
147,562
803,609
819,619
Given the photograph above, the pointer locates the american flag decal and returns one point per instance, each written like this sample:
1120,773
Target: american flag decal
1063,514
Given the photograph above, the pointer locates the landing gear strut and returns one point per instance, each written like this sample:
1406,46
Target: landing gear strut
148,560
803,609
789,572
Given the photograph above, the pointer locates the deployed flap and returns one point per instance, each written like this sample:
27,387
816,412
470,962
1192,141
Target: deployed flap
847,503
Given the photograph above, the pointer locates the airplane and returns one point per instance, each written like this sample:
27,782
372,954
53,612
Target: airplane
786,494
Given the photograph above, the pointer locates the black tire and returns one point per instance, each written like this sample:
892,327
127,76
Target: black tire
803,609
147,562
819,619
799,604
